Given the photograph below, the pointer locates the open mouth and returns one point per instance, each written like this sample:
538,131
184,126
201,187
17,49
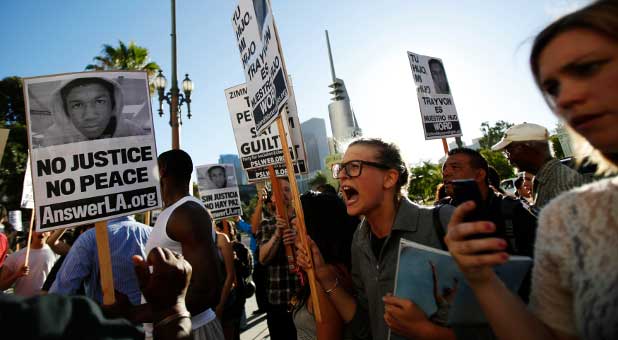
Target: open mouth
350,194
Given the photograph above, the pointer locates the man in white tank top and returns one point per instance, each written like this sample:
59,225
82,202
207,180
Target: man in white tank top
186,227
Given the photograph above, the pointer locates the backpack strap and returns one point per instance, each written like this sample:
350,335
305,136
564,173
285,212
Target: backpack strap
437,225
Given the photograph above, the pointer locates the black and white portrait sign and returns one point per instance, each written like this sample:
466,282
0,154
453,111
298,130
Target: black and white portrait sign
218,189
92,147
434,97
260,54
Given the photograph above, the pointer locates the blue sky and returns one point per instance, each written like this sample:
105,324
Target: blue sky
484,46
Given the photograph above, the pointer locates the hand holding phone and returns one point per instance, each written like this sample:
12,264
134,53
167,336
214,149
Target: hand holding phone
468,190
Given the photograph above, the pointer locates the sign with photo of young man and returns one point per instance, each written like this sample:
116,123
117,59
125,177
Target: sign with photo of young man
218,190
92,147
260,54
434,97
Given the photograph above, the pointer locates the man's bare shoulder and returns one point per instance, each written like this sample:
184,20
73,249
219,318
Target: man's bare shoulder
189,220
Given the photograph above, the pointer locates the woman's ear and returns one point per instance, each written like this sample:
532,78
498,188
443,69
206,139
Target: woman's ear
391,177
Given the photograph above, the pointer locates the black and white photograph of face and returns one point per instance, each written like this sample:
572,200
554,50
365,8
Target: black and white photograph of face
216,176
261,10
438,74
82,107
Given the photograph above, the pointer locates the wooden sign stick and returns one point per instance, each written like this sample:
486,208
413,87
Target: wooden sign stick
105,263
300,226
300,216
29,238
282,211
445,146
147,218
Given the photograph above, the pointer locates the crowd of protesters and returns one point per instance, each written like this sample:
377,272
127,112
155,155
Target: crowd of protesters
201,274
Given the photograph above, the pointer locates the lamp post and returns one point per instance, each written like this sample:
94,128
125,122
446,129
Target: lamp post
174,98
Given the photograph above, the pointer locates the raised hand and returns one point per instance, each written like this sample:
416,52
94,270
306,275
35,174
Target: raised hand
475,257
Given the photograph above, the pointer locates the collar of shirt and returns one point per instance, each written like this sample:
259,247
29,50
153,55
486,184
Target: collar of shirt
546,170
405,220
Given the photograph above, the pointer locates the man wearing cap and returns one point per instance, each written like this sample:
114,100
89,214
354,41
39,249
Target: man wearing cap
526,146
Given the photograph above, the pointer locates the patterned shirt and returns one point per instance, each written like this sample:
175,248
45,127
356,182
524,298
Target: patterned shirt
575,270
281,283
126,238
552,179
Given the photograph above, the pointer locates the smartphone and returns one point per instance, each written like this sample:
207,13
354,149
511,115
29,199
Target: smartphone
468,190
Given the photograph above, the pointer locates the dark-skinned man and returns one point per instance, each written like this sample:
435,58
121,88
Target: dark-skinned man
526,146
185,227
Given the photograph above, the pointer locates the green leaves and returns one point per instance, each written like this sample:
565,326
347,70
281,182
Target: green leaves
123,57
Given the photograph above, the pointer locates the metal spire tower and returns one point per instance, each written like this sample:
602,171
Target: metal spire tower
342,119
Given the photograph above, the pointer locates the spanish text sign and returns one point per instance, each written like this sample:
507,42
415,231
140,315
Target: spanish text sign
434,97
92,147
257,151
219,190
261,60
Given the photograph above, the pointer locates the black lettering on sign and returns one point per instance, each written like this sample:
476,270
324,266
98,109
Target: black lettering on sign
88,209
46,166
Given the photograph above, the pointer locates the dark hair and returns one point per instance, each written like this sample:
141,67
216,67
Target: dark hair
330,227
435,62
64,92
177,165
477,160
389,155
493,177
212,168
600,16
327,188
519,182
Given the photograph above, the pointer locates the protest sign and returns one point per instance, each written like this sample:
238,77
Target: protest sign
261,60
4,136
434,97
432,280
15,219
27,196
218,190
257,151
92,147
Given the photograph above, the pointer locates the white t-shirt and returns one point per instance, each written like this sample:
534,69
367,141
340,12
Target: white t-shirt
40,262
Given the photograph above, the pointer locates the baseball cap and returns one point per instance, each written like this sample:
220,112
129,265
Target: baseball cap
521,133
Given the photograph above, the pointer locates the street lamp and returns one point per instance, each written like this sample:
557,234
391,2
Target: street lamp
187,87
174,98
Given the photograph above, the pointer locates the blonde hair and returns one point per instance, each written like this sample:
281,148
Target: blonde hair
583,150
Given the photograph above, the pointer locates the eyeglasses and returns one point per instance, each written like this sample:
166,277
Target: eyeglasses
354,168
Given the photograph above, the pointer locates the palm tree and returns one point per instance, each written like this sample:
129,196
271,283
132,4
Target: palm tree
123,57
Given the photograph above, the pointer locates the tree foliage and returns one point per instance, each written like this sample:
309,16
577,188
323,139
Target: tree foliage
424,179
556,146
492,134
317,180
13,163
499,162
249,208
125,57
